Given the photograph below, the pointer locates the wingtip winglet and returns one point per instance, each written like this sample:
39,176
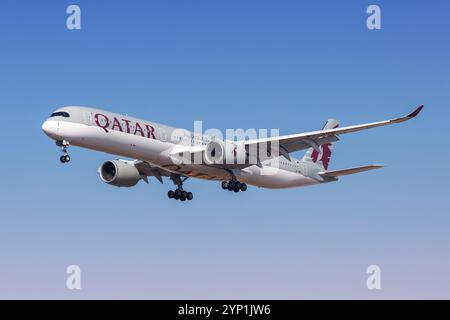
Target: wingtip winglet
415,112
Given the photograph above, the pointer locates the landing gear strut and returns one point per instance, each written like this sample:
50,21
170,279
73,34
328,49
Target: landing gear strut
64,145
234,185
179,193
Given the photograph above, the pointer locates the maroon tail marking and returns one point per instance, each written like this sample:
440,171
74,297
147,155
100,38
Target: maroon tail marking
325,155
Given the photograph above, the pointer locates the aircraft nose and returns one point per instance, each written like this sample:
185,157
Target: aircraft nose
50,128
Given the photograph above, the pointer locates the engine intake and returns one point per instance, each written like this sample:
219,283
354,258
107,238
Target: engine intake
119,173
214,153
218,152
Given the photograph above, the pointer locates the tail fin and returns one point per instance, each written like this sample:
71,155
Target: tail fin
321,155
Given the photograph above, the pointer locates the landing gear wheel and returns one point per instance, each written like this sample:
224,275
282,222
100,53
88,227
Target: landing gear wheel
179,193
64,145
234,185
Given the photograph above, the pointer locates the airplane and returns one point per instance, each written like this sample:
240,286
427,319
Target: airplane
161,151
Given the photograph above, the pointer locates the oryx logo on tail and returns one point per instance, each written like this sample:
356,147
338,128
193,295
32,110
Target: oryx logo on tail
324,156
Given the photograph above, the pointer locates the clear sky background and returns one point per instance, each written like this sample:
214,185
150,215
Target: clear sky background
233,64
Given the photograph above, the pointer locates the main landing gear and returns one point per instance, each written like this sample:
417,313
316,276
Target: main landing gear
234,185
179,193
64,145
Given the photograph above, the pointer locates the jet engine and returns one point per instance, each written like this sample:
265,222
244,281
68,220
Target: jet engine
119,173
218,152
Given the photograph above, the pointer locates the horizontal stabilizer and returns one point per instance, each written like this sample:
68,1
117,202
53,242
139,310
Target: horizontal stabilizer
344,172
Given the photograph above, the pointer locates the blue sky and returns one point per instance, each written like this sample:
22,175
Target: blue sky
233,64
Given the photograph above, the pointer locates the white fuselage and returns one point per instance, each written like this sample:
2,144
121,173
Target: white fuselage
151,142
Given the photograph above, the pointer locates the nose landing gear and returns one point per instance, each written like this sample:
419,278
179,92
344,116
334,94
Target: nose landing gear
64,145
234,185
64,158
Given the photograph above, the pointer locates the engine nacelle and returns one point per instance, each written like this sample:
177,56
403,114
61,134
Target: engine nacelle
119,173
213,153
218,152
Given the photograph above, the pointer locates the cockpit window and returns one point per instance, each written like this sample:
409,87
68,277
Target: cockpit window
60,114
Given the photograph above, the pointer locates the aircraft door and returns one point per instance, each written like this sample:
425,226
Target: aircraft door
87,117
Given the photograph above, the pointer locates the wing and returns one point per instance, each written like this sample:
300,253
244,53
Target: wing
314,139
147,170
